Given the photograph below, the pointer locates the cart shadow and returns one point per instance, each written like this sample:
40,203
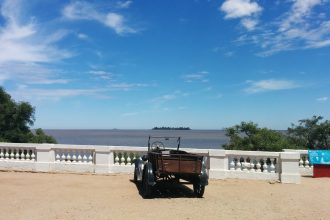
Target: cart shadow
167,190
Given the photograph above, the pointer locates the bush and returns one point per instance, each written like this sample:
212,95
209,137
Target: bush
248,136
313,133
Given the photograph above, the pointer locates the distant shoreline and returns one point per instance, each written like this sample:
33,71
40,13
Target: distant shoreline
171,128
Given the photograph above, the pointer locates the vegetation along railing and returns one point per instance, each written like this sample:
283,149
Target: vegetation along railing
282,166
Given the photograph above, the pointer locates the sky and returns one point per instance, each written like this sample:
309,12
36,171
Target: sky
139,64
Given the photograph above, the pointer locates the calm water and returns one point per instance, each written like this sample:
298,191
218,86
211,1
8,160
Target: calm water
190,138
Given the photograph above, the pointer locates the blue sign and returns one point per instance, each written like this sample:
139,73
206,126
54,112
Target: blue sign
319,156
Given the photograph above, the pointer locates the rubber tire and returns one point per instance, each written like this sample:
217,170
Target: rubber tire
135,176
146,189
199,190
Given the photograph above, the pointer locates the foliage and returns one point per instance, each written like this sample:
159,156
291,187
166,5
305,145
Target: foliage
41,137
248,136
313,133
15,121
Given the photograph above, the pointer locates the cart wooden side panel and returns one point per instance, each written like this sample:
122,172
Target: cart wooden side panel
184,164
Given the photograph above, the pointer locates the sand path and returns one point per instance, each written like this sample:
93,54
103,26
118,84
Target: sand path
72,196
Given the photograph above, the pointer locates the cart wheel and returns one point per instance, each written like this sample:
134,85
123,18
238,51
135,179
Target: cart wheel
199,190
146,189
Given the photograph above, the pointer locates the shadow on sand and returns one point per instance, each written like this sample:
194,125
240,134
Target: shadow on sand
167,189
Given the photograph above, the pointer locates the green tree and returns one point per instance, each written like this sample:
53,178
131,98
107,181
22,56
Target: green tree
248,136
15,121
313,133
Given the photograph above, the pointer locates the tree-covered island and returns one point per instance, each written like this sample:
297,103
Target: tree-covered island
171,128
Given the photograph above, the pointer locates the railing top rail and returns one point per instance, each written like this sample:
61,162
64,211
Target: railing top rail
296,150
253,153
20,145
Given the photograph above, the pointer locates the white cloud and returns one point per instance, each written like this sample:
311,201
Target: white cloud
246,10
269,85
26,49
240,8
30,73
249,24
196,77
169,97
124,4
104,75
82,36
127,86
322,99
301,27
86,11
26,93
298,13
22,42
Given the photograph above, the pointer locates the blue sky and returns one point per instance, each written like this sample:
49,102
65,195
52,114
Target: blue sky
139,64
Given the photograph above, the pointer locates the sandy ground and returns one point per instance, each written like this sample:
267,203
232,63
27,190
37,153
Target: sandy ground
71,196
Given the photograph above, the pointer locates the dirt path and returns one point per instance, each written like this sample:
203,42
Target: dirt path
70,196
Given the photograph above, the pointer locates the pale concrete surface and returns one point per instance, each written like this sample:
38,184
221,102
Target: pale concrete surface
72,196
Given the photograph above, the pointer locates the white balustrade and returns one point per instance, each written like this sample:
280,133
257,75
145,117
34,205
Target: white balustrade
284,166
17,154
125,158
252,164
74,156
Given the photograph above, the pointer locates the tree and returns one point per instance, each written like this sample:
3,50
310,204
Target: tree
313,133
15,121
248,136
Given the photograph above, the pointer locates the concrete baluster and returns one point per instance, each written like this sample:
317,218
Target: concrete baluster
33,156
265,166
128,160
134,158
58,157
90,157
232,163
252,165
122,159
272,166
84,157
307,162
7,154
63,157
16,154
116,158
301,162
68,157
79,157
247,164
12,155
74,157
258,165
244,164
28,156
238,164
